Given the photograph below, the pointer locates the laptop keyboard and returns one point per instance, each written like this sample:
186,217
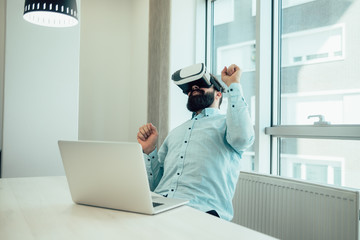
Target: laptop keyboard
155,204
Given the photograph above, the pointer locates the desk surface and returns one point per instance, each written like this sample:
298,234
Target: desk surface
41,208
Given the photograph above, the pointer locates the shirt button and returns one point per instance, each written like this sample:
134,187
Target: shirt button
153,157
178,174
149,159
185,141
233,105
182,157
172,190
150,174
231,89
189,128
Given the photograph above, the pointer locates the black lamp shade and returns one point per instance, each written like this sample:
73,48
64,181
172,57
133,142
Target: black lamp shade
51,13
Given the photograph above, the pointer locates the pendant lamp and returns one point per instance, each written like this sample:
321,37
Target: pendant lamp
51,13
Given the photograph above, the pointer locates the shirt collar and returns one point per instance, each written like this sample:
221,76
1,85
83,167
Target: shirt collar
207,112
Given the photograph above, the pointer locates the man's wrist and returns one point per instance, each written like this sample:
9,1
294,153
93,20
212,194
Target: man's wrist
149,150
231,82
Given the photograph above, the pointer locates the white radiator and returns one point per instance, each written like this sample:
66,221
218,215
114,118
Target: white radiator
291,209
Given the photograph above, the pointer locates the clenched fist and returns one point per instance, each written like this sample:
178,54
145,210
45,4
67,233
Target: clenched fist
147,137
231,74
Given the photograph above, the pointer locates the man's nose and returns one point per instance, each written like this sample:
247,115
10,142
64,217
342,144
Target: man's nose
194,87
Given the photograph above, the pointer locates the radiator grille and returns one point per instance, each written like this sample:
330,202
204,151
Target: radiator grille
291,209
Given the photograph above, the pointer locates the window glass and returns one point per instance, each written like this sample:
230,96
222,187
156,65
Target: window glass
334,162
233,41
319,61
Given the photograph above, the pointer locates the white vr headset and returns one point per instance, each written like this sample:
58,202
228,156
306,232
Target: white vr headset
195,74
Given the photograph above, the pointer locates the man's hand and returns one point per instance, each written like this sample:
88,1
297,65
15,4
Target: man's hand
147,137
230,75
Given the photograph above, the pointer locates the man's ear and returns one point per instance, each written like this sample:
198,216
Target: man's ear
218,94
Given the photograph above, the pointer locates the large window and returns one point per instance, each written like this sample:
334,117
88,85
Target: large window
233,41
314,127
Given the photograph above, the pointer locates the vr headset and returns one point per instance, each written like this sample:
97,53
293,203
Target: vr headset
197,75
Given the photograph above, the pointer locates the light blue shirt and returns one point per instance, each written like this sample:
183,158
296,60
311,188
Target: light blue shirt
200,159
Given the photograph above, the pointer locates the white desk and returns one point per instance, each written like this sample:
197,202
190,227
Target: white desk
41,208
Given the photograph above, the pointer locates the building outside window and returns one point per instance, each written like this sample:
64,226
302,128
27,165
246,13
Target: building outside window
315,128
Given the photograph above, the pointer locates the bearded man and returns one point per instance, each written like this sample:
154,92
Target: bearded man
200,160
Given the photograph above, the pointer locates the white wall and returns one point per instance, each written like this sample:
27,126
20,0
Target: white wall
41,100
186,48
41,94
113,69
42,89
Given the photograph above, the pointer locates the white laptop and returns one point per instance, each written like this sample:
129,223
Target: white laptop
111,175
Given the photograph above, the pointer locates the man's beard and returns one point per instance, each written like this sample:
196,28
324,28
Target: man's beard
200,101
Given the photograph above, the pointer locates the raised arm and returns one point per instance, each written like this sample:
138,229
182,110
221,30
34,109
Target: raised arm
239,132
147,137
